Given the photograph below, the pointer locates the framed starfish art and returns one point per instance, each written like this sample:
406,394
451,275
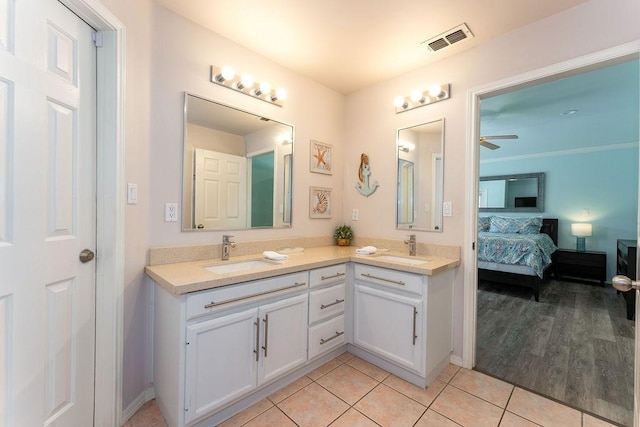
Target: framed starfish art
320,157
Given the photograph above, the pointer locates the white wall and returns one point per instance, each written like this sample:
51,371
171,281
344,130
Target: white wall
372,122
166,55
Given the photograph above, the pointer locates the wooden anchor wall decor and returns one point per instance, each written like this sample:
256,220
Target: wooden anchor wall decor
364,173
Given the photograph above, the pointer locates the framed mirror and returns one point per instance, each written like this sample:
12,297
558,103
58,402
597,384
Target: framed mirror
237,168
512,193
420,177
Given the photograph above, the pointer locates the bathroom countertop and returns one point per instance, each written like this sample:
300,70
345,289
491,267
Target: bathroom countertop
185,277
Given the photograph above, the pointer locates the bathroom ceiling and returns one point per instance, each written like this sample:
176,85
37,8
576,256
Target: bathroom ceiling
347,45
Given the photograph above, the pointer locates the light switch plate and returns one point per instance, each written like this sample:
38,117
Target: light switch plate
132,193
447,209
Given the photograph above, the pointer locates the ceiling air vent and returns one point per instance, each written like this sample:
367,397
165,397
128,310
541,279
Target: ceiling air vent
454,35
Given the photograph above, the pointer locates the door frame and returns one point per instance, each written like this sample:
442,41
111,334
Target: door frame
474,95
110,209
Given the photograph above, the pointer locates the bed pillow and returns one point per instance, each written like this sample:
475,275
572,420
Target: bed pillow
501,224
484,223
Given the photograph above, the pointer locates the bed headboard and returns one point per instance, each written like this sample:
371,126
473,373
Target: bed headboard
550,227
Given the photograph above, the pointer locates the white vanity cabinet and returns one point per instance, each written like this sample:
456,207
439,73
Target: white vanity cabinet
327,299
213,347
403,319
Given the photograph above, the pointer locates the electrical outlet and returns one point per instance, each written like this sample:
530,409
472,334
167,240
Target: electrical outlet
170,212
355,215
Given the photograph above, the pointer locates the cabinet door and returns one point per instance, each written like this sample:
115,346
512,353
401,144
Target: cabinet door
284,337
389,325
221,361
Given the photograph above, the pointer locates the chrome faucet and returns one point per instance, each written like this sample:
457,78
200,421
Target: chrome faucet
227,244
411,241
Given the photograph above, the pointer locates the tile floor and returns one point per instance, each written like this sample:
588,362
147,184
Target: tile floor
350,392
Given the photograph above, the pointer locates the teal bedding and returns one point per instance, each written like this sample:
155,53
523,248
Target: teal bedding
533,250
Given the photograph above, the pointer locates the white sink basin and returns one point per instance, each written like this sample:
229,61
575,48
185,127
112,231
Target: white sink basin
237,266
404,260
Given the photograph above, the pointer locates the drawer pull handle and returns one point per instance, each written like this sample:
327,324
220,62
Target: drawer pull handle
331,277
371,276
266,333
415,315
323,341
338,301
227,301
257,350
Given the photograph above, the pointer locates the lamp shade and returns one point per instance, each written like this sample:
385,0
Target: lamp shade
581,230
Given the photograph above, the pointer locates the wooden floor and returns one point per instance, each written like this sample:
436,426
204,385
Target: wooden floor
575,345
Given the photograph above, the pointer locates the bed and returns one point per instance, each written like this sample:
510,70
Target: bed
517,251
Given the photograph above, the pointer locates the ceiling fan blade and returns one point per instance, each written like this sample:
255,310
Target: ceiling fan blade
489,145
499,137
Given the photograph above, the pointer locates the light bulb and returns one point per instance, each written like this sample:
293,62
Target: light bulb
280,94
436,91
417,96
226,73
399,102
246,82
265,87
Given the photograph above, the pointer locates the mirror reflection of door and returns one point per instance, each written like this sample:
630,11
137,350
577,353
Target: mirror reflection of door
219,190
437,200
286,213
262,189
405,192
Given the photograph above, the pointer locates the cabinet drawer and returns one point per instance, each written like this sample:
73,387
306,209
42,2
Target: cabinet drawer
204,302
325,303
391,278
327,275
326,336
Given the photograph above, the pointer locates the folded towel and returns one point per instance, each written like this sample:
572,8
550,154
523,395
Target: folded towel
274,255
367,250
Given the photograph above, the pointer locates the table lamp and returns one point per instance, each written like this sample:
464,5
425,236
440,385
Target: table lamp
580,231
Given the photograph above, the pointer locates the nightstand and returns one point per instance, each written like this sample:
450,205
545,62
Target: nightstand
588,265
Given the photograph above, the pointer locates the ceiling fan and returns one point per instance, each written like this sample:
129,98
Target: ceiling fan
491,146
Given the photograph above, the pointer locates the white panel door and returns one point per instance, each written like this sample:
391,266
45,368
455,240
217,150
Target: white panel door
389,325
220,190
284,339
47,215
221,361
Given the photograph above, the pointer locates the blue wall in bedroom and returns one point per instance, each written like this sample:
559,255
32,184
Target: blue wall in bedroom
603,181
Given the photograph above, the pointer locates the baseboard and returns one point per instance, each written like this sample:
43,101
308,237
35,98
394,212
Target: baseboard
137,403
456,360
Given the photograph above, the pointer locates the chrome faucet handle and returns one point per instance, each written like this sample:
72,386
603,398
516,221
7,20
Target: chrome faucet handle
412,238
411,241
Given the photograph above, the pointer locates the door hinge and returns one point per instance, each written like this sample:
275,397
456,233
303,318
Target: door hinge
97,38
473,246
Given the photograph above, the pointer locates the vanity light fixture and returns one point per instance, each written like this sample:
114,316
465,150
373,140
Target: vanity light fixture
225,76
420,97
406,146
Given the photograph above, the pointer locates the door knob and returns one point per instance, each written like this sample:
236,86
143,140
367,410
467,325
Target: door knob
86,255
624,284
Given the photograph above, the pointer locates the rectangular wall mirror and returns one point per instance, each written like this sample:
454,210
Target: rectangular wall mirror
512,193
237,168
420,175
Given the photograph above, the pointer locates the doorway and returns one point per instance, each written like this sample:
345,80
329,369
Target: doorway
617,55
